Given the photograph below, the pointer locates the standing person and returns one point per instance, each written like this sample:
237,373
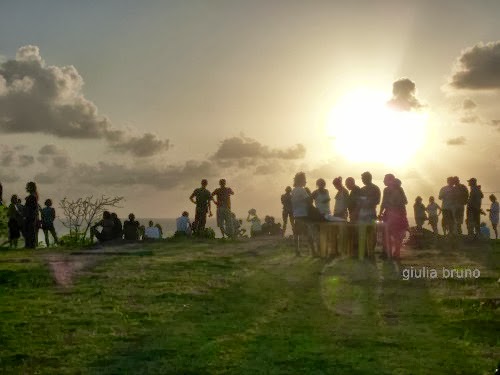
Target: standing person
48,217
419,212
286,201
31,216
341,199
203,206
474,209
183,225
433,210
461,199
447,195
493,210
353,203
301,201
1,194
131,228
223,204
14,223
321,198
394,214
369,199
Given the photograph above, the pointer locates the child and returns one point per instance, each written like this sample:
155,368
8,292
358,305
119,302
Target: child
48,217
256,226
419,212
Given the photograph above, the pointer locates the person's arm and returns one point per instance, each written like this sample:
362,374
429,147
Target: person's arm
191,198
212,198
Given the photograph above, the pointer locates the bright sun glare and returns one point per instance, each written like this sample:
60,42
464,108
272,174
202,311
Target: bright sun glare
365,129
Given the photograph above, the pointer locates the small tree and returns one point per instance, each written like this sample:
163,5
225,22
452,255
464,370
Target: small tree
84,212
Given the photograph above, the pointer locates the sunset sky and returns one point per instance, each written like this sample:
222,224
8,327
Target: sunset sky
144,99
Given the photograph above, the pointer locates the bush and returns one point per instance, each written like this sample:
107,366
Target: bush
206,233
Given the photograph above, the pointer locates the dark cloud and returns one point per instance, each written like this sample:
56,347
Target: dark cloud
469,104
478,68
236,148
55,155
458,141
403,95
469,119
25,160
36,98
51,150
10,157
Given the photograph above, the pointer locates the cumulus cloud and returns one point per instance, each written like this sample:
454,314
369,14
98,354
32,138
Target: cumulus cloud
403,95
246,148
55,155
458,141
478,68
36,98
10,157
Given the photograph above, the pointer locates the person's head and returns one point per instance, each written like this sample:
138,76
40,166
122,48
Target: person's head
151,223
337,182
31,187
418,199
131,217
204,183
48,202
252,211
14,199
114,216
350,183
185,213
267,219
222,182
472,181
300,180
19,201
493,198
272,220
389,179
483,224
431,199
288,189
320,183
450,181
366,177
106,215
456,180
397,182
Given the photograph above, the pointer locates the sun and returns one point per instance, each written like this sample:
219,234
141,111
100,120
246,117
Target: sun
365,129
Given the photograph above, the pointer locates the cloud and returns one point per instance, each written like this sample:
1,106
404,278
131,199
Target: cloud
55,155
8,176
403,95
37,98
478,68
469,104
469,119
458,141
10,157
236,148
25,160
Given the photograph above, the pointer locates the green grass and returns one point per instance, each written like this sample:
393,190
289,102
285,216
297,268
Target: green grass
221,307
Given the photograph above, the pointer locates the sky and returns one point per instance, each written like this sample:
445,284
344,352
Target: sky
144,99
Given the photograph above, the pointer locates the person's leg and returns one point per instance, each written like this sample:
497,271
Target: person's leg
220,221
284,216
495,229
228,223
46,235
470,222
477,222
54,234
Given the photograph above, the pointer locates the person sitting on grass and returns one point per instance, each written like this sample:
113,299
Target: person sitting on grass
151,232
131,228
484,231
117,227
160,229
255,226
48,217
183,225
107,223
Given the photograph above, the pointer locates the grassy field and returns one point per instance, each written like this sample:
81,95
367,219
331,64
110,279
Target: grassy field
249,307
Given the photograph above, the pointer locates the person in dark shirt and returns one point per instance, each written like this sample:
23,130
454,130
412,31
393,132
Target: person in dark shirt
31,216
131,228
474,209
223,204
286,201
107,223
15,222
117,227
353,202
48,217
369,198
203,206
461,199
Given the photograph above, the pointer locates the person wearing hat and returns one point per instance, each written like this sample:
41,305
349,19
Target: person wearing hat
474,209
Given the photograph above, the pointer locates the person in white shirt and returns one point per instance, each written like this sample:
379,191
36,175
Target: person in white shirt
152,232
447,195
321,198
183,225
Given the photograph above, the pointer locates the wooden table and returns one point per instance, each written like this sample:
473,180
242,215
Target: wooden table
349,239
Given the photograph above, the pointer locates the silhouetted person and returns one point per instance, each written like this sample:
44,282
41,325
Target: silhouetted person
160,229
493,210
48,217
447,196
1,194
474,209
256,225
223,204
107,224
203,206
287,213
31,216
433,211
131,228
394,213
117,227
321,198
461,199
341,199
369,198
353,202
151,232
301,201
184,225
15,222
419,212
